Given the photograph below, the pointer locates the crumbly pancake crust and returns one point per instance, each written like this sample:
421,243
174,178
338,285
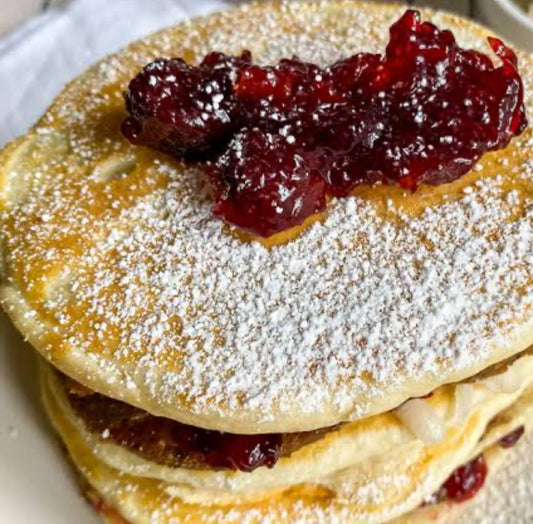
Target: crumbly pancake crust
115,269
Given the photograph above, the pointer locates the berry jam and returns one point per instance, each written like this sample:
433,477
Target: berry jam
218,450
265,176
466,480
181,109
167,441
512,438
280,138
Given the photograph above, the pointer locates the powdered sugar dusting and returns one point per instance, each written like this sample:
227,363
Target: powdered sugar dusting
354,296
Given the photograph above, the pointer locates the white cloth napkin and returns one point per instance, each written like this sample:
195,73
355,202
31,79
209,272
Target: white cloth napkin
40,58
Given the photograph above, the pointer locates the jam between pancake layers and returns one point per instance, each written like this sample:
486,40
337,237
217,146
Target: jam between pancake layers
466,480
174,444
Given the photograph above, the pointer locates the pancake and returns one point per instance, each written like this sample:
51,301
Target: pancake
381,486
352,444
441,512
115,269
434,514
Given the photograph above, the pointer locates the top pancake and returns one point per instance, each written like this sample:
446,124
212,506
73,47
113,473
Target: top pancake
115,269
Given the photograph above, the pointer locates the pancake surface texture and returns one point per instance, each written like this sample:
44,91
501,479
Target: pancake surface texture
116,270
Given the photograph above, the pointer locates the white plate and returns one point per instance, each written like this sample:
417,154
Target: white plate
38,485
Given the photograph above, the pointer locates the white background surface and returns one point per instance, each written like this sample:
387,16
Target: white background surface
41,57
13,13
37,485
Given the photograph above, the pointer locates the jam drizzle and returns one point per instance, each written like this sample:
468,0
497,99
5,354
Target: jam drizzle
279,139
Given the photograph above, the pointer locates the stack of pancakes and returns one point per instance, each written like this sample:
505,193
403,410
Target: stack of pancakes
387,343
